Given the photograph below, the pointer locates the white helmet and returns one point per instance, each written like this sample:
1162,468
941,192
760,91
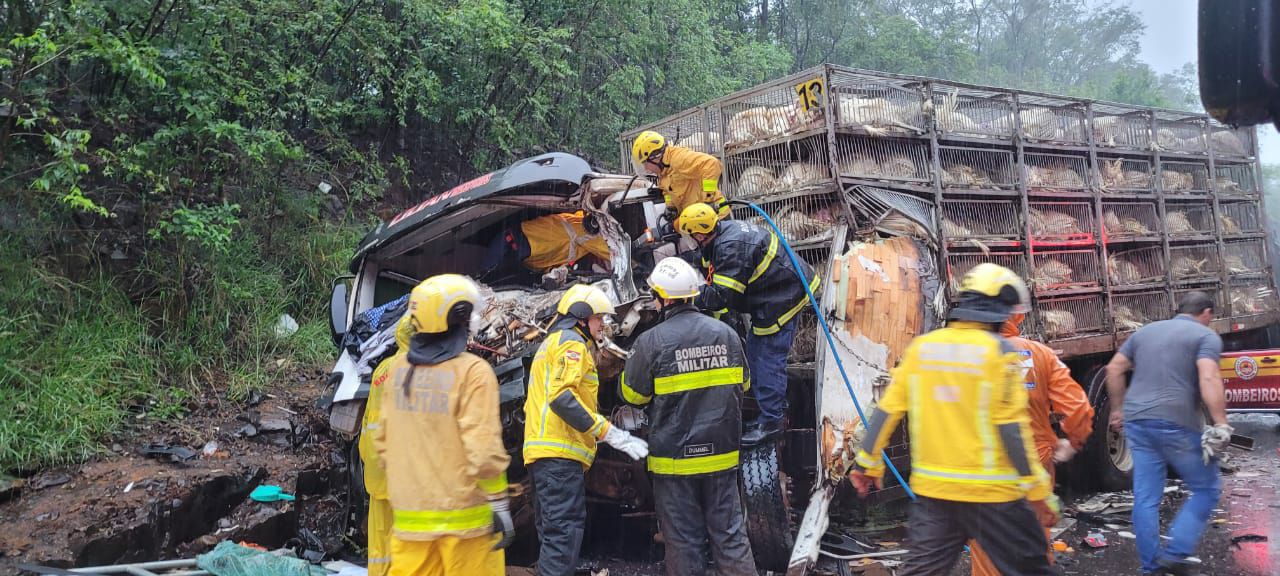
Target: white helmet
675,279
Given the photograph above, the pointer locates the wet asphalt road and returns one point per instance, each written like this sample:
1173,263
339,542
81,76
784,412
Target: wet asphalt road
1249,506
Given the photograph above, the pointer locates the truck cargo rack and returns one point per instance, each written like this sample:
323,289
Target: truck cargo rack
1239,218
1130,222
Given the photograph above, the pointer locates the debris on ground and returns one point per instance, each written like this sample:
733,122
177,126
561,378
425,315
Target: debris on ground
49,481
175,454
1095,540
270,493
231,559
1127,535
1247,538
1108,503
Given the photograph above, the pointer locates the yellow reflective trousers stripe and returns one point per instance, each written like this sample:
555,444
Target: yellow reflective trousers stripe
786,316
494,485
729,283
697,380
688,466
472,518
767,260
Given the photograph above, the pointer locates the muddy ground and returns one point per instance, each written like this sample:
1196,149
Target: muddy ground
124,506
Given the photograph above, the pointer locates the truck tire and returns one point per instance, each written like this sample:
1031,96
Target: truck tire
1106,456
764,498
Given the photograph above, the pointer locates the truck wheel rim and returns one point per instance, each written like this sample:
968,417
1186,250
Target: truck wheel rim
1118,451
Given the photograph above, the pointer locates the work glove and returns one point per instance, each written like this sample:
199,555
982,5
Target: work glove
863,483
1214,440
628,444
555,278
1064,451
502,523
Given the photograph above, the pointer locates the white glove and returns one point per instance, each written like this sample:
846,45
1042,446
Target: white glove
1063,452
502,523
1214,440
624,441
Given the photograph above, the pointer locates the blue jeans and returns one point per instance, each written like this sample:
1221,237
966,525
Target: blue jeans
1156,445
767,359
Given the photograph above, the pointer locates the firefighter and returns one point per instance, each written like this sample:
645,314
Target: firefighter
1050,391
751,274
562,426
974,465
691,371
375,477
686,177
439,438
547,243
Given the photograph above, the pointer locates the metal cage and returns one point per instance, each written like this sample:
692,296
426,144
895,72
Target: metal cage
1235,180
976,167
798,166
1128,220
989,220
878,106
1117,126
1226,141
1244,257
1249,297
959,264
892,159
1061,223
1069,317
1183,134
972,113
1124,176
1184,177
1239,218
1057,270
690,128
1189,262
767,115
1213,289
1136,267
1053,120
1133,310
1188,220
1056,172
802,218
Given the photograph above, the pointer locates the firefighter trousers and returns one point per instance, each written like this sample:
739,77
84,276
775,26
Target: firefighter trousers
560,512
767,358
1008,531
380,519
447,556
981,562
701,516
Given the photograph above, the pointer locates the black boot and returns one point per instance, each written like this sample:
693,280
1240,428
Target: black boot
762,431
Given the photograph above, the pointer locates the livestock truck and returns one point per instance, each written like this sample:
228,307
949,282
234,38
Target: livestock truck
892,187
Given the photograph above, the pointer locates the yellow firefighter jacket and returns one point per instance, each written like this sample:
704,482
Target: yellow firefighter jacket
442,446
560,418
375,477
956,386
689,177
560,239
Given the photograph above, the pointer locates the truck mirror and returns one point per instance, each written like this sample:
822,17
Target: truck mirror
338,309
1240,60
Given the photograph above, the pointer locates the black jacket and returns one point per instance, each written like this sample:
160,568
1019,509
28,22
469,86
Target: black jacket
691,371
752,273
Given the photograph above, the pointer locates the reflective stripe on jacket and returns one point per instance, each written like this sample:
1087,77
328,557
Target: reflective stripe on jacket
442,445
1050,390
560,239
691,371
751,273
956,386
563,382
690,177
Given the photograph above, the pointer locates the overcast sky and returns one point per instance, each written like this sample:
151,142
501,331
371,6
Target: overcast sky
1170,41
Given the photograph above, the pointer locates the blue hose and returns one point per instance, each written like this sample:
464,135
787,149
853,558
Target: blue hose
813,301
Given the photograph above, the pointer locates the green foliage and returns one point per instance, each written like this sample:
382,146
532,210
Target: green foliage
208,226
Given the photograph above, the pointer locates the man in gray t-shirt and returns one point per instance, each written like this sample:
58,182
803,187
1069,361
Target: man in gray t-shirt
1175,378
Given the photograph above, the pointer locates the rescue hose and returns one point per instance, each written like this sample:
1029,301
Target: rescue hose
826,331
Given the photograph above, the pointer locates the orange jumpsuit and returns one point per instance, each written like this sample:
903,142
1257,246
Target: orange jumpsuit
689,177
1050,389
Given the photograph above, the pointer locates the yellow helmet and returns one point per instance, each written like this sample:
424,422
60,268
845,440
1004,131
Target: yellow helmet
990,293
647,145
582,301
442,302
698,218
